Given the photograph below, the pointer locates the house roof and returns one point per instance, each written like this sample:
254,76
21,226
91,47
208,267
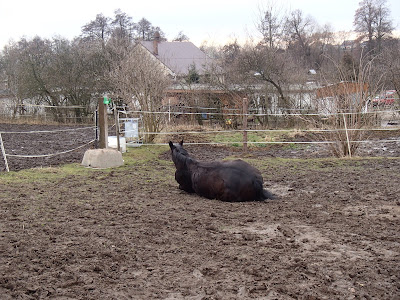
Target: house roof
341,89
179,57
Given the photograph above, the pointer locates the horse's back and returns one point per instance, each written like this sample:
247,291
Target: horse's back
231,181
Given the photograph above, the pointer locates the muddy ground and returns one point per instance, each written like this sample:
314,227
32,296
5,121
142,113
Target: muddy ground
129,233
43,140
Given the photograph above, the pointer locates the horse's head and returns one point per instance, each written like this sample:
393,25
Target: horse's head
178,148
181,159
179,154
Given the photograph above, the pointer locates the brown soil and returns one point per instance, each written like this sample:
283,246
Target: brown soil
43,140
129,233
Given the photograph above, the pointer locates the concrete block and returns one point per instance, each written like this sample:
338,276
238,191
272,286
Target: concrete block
102,158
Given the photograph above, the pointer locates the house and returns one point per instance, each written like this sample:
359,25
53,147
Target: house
178,57
348,45
344,96
189,67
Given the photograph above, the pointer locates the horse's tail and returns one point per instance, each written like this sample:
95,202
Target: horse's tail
262,193
269,195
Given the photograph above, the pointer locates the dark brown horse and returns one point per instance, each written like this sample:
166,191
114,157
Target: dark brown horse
232,181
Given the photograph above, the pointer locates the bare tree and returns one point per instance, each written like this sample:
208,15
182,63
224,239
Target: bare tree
345,104
53,72
271,21
383,23
230,53
11,70
59,72
389,65
141,82
372,19
320,46
298,32
262,73
144,29
122,26
75,71
181,37
98,29
36,72
271,66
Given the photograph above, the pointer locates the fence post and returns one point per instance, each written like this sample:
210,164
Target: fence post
103,124
169,110
117,126
245,109
3,151
96,122
347,134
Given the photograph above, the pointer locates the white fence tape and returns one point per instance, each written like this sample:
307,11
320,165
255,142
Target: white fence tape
49,131
273,142
259,114
52,154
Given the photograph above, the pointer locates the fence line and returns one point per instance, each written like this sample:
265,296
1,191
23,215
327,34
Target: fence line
212,108
285,115
272,142
52,154
6,155
261,115
268,130
50,106
48,131
121,108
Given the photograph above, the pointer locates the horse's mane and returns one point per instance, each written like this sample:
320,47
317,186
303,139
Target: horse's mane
181,156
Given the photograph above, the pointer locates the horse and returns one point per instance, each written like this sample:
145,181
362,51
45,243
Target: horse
231,181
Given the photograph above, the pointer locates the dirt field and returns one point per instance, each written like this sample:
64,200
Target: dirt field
129,233
46,140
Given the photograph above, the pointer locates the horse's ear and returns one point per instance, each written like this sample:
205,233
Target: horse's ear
171,145
181,143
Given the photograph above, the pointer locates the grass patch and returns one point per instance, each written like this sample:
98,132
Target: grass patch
235,139
143,154
255,139
134,157
47,173
146,162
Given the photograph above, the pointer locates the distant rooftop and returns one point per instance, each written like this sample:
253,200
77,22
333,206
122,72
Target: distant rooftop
179,57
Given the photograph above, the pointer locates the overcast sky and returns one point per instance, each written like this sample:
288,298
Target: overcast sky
214,21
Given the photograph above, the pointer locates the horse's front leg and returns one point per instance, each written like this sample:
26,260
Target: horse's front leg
186,189
185,183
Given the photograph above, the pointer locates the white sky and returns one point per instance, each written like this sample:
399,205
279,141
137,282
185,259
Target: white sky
214,21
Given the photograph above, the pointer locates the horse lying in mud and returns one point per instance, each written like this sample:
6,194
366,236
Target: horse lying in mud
232,181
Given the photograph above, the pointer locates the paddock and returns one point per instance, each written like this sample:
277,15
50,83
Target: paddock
70,232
